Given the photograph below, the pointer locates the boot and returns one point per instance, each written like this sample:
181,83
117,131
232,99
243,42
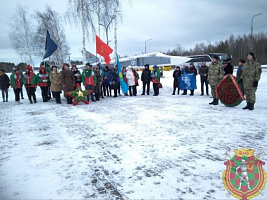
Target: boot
211,103
192,93
34,99
251,106
247,106
173,93
178,91
97,97
216,102
92,97
30,100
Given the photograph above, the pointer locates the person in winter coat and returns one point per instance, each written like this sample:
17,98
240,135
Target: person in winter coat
146,78
251,73
192,69
176,74
227,67
155,75
184,70
4,85
29,81
67,81
43,82
106,76
136,78
16,84
114,81
97,89
203,72
239,69
118,80
131,81
215,74
77,75
89,80
101,70
56,86
21,74
48,70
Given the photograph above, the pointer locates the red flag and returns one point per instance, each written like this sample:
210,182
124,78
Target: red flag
103,49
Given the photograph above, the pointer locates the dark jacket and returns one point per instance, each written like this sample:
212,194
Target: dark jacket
202,71
146,75
191,70
77,76
176,75
4,82
228,69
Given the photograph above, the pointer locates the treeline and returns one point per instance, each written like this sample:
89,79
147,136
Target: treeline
238,47
8,67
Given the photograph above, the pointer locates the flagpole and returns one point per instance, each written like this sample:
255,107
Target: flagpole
115,36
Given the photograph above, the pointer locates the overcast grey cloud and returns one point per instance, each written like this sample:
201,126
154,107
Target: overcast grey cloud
168,22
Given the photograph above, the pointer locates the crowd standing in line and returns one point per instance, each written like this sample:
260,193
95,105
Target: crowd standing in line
101,81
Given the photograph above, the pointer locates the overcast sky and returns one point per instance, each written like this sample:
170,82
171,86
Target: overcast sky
167,22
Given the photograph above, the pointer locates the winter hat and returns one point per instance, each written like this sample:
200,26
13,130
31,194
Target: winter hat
29,68
155,67
99,64
252,54
146,65
71,66
55,67
242,61
216,57
177,67
42,67
106,67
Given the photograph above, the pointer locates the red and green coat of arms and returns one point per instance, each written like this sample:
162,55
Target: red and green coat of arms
244,177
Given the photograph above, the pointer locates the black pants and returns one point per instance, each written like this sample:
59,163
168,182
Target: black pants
146,84
5,94
156,88
44,93
132,90
90,87
107,88
17,92
204,80
31,93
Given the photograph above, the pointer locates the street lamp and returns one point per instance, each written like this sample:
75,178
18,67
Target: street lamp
251,33
252,23
145,43
106,27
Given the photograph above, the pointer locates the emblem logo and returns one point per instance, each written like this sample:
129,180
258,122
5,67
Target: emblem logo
244,177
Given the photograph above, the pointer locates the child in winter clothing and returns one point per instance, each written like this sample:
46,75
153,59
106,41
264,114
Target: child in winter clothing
89,80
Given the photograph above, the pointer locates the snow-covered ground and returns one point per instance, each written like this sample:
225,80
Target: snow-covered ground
143,147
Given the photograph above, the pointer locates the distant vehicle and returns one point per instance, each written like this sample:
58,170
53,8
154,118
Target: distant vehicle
198,59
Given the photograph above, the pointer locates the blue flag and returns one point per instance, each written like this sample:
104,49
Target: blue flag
124,86
187,81
50,46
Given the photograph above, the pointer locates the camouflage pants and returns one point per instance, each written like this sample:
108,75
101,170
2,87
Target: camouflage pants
250,95
213,90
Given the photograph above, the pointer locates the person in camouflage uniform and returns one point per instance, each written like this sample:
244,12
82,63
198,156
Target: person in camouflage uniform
215,74
251,73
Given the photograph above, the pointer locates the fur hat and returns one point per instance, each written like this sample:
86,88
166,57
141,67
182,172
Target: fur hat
155,67
252,54
146,65
216,57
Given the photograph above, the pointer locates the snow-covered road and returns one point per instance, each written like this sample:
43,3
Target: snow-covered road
143,147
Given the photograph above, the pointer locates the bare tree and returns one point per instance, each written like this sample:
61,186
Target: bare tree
21,35
87,12
50,20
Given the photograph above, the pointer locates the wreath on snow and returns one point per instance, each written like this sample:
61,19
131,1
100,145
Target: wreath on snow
229,92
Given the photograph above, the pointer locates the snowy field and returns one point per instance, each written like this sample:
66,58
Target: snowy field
143,147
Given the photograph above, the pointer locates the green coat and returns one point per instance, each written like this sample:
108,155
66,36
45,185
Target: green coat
215,73
251,72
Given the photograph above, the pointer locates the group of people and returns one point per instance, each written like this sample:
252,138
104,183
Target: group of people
101,81
248,74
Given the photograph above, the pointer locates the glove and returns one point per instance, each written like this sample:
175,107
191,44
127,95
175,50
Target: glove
255,84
